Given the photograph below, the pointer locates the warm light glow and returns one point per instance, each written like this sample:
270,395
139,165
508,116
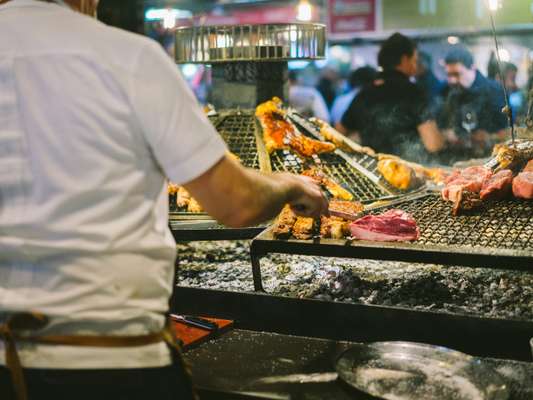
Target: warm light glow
504,54
167,15
305,11
169,21
494,5
189,70
453,40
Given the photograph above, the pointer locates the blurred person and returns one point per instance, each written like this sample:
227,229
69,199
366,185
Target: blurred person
426,79
93,120
327,85
393,115
306,99
471,107
517,100
358,79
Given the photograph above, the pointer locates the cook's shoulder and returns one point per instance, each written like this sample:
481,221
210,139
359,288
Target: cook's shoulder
122,46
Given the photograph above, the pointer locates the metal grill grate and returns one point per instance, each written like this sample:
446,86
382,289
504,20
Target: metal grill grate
238,131
506,224
333,166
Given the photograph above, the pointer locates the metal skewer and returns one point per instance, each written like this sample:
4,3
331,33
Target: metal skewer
507,110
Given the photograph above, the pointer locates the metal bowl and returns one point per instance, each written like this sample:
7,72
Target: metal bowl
409,371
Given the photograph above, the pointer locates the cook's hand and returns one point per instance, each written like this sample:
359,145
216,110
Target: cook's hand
305,196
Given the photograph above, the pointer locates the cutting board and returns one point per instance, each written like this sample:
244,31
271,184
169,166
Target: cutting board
192,336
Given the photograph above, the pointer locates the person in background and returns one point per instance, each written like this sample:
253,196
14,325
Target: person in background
327,85
305,99
426,79
471,112
517,100
93,121
358,79
393,115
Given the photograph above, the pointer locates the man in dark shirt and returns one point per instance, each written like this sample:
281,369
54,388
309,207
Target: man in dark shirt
471,112
392,115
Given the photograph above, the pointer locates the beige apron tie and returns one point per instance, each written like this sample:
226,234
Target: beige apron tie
18,323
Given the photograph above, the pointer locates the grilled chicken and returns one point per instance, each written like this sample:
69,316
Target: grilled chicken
303,228
283,225
336,227
279,133
436,175
183,198
508,156
343,143
397,173
172,188
336,190
194,206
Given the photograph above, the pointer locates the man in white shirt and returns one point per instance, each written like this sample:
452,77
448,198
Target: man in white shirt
92,121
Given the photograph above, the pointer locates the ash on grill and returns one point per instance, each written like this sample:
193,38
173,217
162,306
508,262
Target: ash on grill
479,292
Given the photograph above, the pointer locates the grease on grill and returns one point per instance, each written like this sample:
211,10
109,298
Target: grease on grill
335,167
238,131
505,224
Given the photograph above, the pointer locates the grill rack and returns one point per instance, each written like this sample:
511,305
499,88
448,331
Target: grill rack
239,129
335,167
364,163
499,236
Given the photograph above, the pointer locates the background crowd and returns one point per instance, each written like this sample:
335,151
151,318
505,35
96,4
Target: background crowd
404,109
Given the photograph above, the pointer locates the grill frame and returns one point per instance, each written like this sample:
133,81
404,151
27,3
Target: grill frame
259,160
448,254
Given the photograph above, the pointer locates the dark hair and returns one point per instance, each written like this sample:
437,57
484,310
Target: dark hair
459,54
392,50
362,76
293,75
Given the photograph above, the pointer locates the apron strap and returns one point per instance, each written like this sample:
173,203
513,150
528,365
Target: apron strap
10,333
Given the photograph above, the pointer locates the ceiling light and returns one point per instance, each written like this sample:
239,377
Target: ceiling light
305,11
453,40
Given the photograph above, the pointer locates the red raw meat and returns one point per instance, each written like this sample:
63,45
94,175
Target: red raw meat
497,186
523,185
470,179
391,226
528,167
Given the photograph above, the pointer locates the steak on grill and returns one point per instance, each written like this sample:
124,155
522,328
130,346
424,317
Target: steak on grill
391,226
470,179
497,186
523,185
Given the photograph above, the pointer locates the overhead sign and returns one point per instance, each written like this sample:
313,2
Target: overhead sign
347,17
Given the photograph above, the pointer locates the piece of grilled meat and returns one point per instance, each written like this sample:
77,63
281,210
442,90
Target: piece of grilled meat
283,225
303,228
336,190
336,227
509,156
279,133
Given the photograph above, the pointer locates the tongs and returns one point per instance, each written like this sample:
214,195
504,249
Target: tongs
376,206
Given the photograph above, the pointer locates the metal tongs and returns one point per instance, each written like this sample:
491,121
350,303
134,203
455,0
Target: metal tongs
376,205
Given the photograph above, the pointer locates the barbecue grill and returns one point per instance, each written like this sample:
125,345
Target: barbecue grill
498,236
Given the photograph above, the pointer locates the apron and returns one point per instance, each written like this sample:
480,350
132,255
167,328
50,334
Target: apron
18,327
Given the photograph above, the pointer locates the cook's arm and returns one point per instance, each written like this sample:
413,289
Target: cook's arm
238,196
431,137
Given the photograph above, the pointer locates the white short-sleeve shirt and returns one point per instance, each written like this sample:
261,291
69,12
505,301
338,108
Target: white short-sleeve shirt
92,119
